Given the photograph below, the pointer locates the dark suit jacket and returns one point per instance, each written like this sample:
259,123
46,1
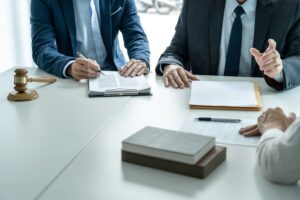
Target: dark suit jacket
196,43
54,33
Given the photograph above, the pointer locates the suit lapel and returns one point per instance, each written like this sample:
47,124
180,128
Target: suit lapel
68,11
216,12
106,26
262,23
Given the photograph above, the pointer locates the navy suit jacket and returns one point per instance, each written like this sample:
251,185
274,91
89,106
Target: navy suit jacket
196,43
53,33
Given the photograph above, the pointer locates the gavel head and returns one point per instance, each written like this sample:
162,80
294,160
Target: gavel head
21,80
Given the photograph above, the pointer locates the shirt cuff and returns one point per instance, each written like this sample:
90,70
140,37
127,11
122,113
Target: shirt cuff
66,67
279,77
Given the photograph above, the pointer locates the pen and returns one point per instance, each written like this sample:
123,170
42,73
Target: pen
80,55
211,119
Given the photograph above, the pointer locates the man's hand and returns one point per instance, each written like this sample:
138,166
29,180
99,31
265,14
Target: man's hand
134,68
177,77
272,118
84,69
269,62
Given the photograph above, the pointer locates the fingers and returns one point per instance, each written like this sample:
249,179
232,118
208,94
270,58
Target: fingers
192,76
248,128
292,116
177,77
272,44
250,131
166,81
184,78
143,70
176,81
88,65
254,52
270,61
84,69
124,69
134,68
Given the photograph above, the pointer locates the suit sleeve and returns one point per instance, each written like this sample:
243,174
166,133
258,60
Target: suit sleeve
278,154
135,39
44,49
177,52
291,57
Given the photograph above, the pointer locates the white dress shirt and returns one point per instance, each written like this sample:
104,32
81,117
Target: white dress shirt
278,154
84,33
248,21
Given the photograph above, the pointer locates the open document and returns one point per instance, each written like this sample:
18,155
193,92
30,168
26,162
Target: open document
226,133
225,95
112,84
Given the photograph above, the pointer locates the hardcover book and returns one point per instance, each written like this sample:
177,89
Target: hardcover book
171,145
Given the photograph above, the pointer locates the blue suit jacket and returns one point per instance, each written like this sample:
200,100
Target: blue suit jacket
54,33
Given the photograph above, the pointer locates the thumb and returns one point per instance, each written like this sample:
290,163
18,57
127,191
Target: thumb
191,76
292,116
272,44
255,53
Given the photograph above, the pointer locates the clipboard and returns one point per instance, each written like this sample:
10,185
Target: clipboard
257,107
112,84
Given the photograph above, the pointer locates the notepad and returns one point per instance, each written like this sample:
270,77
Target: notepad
225,95
112,84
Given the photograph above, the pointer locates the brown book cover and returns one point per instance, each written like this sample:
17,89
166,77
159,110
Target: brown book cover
200,170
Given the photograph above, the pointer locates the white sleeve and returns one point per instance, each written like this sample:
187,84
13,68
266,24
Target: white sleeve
279,154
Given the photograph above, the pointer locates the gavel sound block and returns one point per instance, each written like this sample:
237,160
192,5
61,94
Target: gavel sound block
21,92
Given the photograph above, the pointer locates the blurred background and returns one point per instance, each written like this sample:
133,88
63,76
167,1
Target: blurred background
158,18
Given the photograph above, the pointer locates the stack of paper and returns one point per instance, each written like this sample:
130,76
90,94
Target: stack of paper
225,95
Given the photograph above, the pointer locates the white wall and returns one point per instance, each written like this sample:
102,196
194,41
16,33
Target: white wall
15,42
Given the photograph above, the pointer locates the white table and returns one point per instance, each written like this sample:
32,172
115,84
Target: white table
68,146
38,139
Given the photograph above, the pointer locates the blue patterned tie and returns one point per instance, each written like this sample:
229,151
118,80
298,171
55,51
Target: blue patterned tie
235,43
97,37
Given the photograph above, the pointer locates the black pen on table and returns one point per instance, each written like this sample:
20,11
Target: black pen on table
212,119
80,55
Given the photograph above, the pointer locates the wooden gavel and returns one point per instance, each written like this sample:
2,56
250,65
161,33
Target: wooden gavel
21,80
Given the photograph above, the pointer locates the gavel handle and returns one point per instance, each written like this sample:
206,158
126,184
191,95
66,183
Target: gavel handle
42,80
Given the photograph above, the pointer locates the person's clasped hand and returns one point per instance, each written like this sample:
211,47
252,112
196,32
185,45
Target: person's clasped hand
134,68
177,77
269,62
272,118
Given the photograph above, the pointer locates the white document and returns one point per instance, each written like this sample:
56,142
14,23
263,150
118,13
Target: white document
225,133
220,93
113,84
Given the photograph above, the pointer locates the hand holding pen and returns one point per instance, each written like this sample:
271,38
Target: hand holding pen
80,55
83,68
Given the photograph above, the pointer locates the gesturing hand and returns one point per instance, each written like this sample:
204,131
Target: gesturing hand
269,62
134,68
84,69
177,77
272,118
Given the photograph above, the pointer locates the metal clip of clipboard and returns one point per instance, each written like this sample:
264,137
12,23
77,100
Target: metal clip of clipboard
121,93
